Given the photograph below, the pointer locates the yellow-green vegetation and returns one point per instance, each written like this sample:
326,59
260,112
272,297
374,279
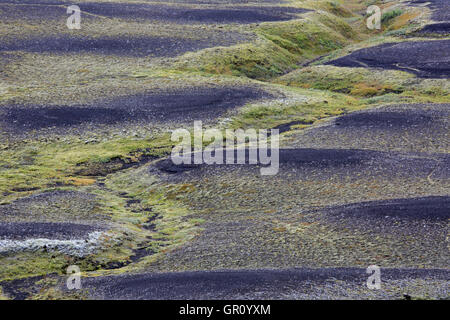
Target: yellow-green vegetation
174,222
404,20
21,265
152,201
366,83
315,106
2,296
280,47
46,164
337,8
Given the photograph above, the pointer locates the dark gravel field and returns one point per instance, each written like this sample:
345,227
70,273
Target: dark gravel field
199,103
440,8
405,127
426,59
257,284
324,163
390,119
426,218
436,28
222,1
33,11
167,1
25,230
440,13
52,2
428,208
152,12
179,14
138,46
58,206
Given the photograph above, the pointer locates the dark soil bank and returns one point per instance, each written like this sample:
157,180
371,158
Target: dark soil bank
33,2
188,15
153,12
427,59
178,105
406,127
123,46
167,1
428,208
387,120
436,28
424,219
33,11
248,284
440,8
300,157
326,162
25,230
222,1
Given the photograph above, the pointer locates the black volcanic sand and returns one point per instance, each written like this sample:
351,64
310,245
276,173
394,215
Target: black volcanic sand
62,231
224,2
405,127
52,2
440,13
34,11
297,218
436,28
59,206
135,46
326,283
167,1
428,208
391,119
424,219
322,164
156,12
432,211
241,15
427,59
440,8
199,103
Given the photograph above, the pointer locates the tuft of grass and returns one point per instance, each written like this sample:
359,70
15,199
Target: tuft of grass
390,15
357,82
369,90
403,20
260,60
336,7
78,182
55,163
